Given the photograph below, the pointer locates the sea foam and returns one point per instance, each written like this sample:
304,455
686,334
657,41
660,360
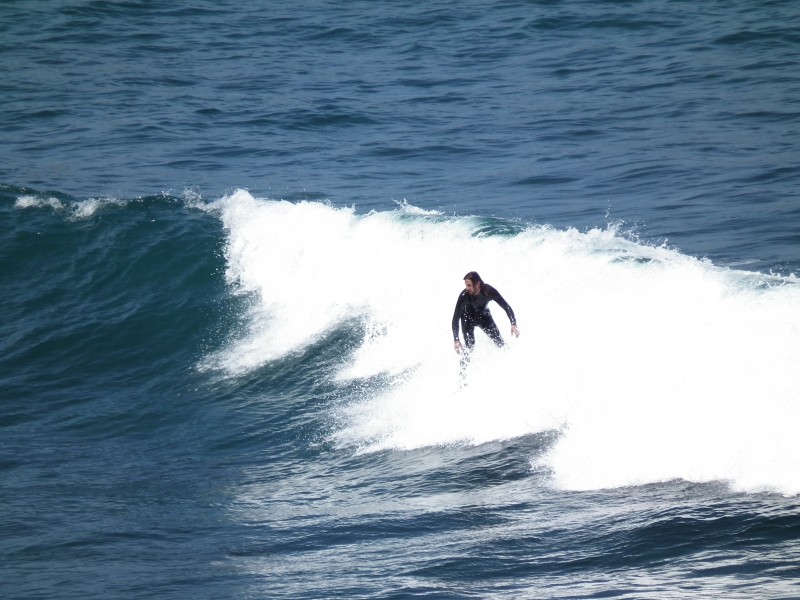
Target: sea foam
651,364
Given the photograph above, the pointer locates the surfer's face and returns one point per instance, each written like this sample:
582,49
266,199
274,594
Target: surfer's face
472,288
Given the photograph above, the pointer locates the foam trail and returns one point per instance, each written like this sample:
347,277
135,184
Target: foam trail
79,210
653,365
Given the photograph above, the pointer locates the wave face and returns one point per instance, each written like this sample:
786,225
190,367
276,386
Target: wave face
650,365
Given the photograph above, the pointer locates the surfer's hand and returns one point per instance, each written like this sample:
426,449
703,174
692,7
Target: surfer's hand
514,331
457,346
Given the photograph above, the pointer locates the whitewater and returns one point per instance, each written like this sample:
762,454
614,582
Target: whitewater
649,364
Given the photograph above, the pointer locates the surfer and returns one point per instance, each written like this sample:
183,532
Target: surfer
472,310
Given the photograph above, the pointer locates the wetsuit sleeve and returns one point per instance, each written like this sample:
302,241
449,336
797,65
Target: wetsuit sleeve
495,295
462,297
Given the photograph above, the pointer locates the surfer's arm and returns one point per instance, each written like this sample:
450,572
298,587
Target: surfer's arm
509,311
505,306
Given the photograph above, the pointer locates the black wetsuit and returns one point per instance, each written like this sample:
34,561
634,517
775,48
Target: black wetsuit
473,311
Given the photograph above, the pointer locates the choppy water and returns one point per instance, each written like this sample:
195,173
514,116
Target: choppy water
232,236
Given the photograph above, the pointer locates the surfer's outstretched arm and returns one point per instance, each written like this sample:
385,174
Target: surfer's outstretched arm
495,295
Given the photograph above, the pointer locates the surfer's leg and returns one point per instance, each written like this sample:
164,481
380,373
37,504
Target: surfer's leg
468,329
490,327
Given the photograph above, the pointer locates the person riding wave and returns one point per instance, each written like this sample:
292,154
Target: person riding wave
472,311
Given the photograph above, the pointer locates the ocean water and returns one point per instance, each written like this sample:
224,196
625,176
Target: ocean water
232,235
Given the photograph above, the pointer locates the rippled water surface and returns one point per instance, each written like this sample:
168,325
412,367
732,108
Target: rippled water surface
231,238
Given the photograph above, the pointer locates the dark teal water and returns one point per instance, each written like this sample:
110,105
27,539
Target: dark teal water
231,238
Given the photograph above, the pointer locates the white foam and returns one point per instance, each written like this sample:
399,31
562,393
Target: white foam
653,365
38,202
86,209
83,209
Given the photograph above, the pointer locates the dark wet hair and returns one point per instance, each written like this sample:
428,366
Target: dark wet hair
474,277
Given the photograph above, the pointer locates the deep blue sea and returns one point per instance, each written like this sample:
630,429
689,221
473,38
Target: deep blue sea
232,235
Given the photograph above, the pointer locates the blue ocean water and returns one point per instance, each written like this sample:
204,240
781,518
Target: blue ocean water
232,239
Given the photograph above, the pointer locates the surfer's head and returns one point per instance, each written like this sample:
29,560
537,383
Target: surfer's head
473,283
